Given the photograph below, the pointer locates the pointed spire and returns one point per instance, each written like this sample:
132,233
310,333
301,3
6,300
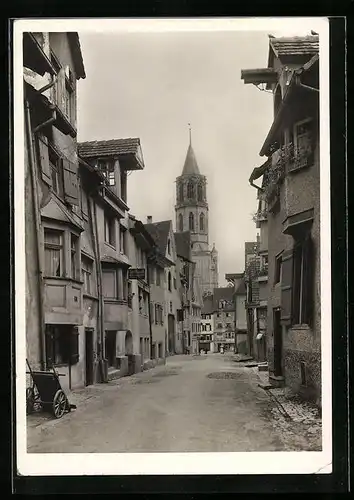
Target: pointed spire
190,163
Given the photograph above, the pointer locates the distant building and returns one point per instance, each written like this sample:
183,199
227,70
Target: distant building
207,339
192,214
239,298
190,293
291,188
224,318
162,232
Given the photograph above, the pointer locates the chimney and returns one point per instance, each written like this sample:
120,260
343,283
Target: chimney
149,219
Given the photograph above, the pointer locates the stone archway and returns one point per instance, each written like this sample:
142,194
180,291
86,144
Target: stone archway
128,343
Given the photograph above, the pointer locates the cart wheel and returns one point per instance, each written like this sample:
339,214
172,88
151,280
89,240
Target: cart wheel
59,404
29,400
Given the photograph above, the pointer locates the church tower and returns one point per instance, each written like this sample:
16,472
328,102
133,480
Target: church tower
192,214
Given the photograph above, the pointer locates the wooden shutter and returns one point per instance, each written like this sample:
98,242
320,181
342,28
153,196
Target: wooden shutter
44,161
71,193
309,280
286,287
61,90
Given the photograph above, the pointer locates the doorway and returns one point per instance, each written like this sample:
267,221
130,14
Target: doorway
278,343
88,356
111,348
171,333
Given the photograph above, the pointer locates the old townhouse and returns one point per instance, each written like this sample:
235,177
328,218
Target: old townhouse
162,233
291,189
184,270
239,298
143,287
224,318
252,292
113,159
207,340
57,311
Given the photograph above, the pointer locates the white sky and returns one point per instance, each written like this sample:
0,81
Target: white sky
150,85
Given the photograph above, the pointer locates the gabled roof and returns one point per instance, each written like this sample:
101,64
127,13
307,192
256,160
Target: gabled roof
183,244
74,42
190,164
223,293
113,147
208,305
294,46
160,231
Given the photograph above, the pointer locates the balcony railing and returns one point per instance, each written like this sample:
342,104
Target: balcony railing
287,159
260,215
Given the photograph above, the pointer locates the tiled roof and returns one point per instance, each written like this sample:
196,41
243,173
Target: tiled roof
183,244
224,293
295,46
160,231
114,147
190,163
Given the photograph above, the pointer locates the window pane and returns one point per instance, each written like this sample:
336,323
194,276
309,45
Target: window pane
52,237
110,284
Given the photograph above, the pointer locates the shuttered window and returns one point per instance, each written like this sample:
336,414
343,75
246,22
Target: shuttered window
286,287
71,193
303,299
43,157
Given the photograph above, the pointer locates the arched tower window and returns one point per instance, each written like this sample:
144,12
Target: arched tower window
201,222
169,282
190,189
180,222
169,246
180,192
200,192
191,222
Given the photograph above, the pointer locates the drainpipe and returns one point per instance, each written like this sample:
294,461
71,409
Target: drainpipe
34,184
236,349
300,84
149,306
54,116
99,289
46,123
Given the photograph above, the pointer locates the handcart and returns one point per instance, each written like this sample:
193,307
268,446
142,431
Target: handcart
47,393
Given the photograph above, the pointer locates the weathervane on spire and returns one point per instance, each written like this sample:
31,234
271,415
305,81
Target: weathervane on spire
190,133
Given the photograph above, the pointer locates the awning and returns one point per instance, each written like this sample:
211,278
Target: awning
259,171
259,336
107,259
302,220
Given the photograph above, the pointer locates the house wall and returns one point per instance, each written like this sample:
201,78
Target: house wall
157,294
299,192
304,343
32,291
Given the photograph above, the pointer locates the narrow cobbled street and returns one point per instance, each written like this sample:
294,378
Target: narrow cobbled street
192,404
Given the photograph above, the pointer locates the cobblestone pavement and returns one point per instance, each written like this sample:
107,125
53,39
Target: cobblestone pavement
192,404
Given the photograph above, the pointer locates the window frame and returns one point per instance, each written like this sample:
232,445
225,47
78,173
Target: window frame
56,247
278,268
114,271
109,229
